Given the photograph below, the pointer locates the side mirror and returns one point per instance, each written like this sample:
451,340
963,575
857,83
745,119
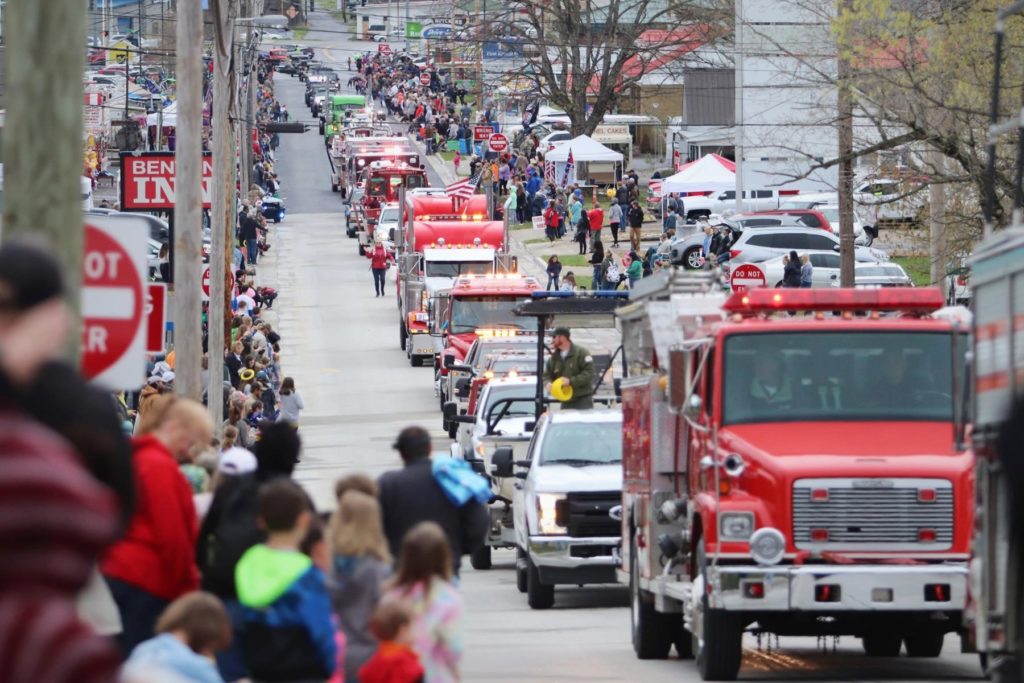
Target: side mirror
465,419
461,368
450,409
391,235
502,462
677,378
693,407
449,361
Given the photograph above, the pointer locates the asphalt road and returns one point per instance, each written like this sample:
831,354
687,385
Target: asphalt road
341,346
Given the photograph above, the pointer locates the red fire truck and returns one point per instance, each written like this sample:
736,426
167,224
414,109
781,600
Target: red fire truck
383,181
792,464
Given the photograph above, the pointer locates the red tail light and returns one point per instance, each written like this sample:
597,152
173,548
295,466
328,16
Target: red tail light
733,253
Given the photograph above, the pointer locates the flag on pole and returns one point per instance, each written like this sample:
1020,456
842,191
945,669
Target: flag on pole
568,169
463,188
549,172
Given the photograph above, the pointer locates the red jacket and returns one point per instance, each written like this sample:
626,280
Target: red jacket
379,257
596,216
157,552
392,663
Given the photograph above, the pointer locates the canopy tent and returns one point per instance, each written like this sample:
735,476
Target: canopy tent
593,163
584,148
170,116
710,173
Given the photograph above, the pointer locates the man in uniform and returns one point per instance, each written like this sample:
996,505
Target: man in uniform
575,363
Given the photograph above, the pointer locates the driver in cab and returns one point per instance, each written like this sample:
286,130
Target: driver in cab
574,363
770,384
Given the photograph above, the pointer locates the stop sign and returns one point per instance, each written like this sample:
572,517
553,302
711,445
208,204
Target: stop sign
113,302
498,143
384,48
229,280
746,276
425,78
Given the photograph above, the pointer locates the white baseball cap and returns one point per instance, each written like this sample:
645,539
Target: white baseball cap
237,461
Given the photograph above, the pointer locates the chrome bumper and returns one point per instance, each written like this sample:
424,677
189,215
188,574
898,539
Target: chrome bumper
557,551
861,588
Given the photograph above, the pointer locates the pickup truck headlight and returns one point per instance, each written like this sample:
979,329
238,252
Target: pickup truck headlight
547,504
735,526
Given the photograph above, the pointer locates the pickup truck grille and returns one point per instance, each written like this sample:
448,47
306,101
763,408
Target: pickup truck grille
586,514
872,514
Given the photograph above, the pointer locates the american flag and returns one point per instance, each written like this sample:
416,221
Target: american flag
654,187
463,188
568,169
549,172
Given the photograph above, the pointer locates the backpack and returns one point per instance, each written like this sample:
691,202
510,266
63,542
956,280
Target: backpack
234,531
611,274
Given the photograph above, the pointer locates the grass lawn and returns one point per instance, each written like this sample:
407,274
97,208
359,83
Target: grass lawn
572,260
299,32
584,281
917,267
532,240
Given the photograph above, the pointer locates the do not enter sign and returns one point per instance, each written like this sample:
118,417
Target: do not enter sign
113,302
498,143
425,78
229,282
746,276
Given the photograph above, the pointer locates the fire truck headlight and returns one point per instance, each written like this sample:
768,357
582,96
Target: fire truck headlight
735,526
547,513
767,546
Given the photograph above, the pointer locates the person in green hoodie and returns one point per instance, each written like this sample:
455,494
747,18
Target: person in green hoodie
288,633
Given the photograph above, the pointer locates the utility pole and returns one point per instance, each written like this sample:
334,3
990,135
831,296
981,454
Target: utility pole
845,114
43,137
222,211
738,63
188,201
937,221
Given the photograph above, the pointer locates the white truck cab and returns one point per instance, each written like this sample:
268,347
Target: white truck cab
564,503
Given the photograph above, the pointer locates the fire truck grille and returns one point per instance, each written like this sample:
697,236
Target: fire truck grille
872,514
587,514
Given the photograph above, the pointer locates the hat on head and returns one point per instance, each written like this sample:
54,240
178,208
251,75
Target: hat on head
262,374
155,379
561,331
237,461
167,377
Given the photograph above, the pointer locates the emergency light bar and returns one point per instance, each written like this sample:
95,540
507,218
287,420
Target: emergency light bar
763,300
497,333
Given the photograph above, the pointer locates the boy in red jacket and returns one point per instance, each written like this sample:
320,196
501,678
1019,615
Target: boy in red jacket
154,562
394,661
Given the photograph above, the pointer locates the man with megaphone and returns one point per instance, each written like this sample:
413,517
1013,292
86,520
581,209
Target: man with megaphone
569,372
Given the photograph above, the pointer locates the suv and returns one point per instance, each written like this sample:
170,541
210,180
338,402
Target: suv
554,139
564,529
761,244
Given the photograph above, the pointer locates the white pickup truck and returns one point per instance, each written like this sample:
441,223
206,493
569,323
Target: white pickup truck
564,530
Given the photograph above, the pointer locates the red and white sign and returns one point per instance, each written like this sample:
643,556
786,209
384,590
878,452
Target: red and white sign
746,276
114,302
481,133
498,143
425,78
147,181
156,316
384,48
229,282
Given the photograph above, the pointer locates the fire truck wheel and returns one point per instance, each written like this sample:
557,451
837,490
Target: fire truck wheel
881,644
924,643
520,570
481,557
719,652
538,595
402,336
652,631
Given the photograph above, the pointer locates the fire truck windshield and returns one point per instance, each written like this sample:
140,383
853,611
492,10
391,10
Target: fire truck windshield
838,376
472,312
377,186
582,443
454,269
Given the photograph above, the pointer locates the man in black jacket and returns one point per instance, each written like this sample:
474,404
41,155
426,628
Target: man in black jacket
249,234
412,495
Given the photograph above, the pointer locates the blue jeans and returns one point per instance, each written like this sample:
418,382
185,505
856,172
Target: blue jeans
378,279
598,283
552,280
251,249
139,611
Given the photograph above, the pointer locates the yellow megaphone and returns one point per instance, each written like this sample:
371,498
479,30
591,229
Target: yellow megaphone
561,389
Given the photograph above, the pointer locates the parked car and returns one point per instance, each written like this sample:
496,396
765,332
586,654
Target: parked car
761,244
554,139
753,200
880,275
827,218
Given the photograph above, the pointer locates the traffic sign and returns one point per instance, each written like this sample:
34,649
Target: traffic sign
425,78
229,281
746,276
481,133
113,301
384,48
156,316
498,143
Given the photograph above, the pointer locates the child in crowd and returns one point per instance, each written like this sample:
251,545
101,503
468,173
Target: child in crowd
288,633
361,563
394,661
423,580
189,632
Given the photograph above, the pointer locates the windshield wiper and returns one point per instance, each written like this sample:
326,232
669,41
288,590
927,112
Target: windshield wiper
577,462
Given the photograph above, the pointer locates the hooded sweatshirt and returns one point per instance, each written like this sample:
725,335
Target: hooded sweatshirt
288,633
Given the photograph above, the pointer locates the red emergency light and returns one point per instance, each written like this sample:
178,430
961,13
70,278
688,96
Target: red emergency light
764,300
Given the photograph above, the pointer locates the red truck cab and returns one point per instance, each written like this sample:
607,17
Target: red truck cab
793,458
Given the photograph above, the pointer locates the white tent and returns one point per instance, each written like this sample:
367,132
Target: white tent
170,116
583,148
710,173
